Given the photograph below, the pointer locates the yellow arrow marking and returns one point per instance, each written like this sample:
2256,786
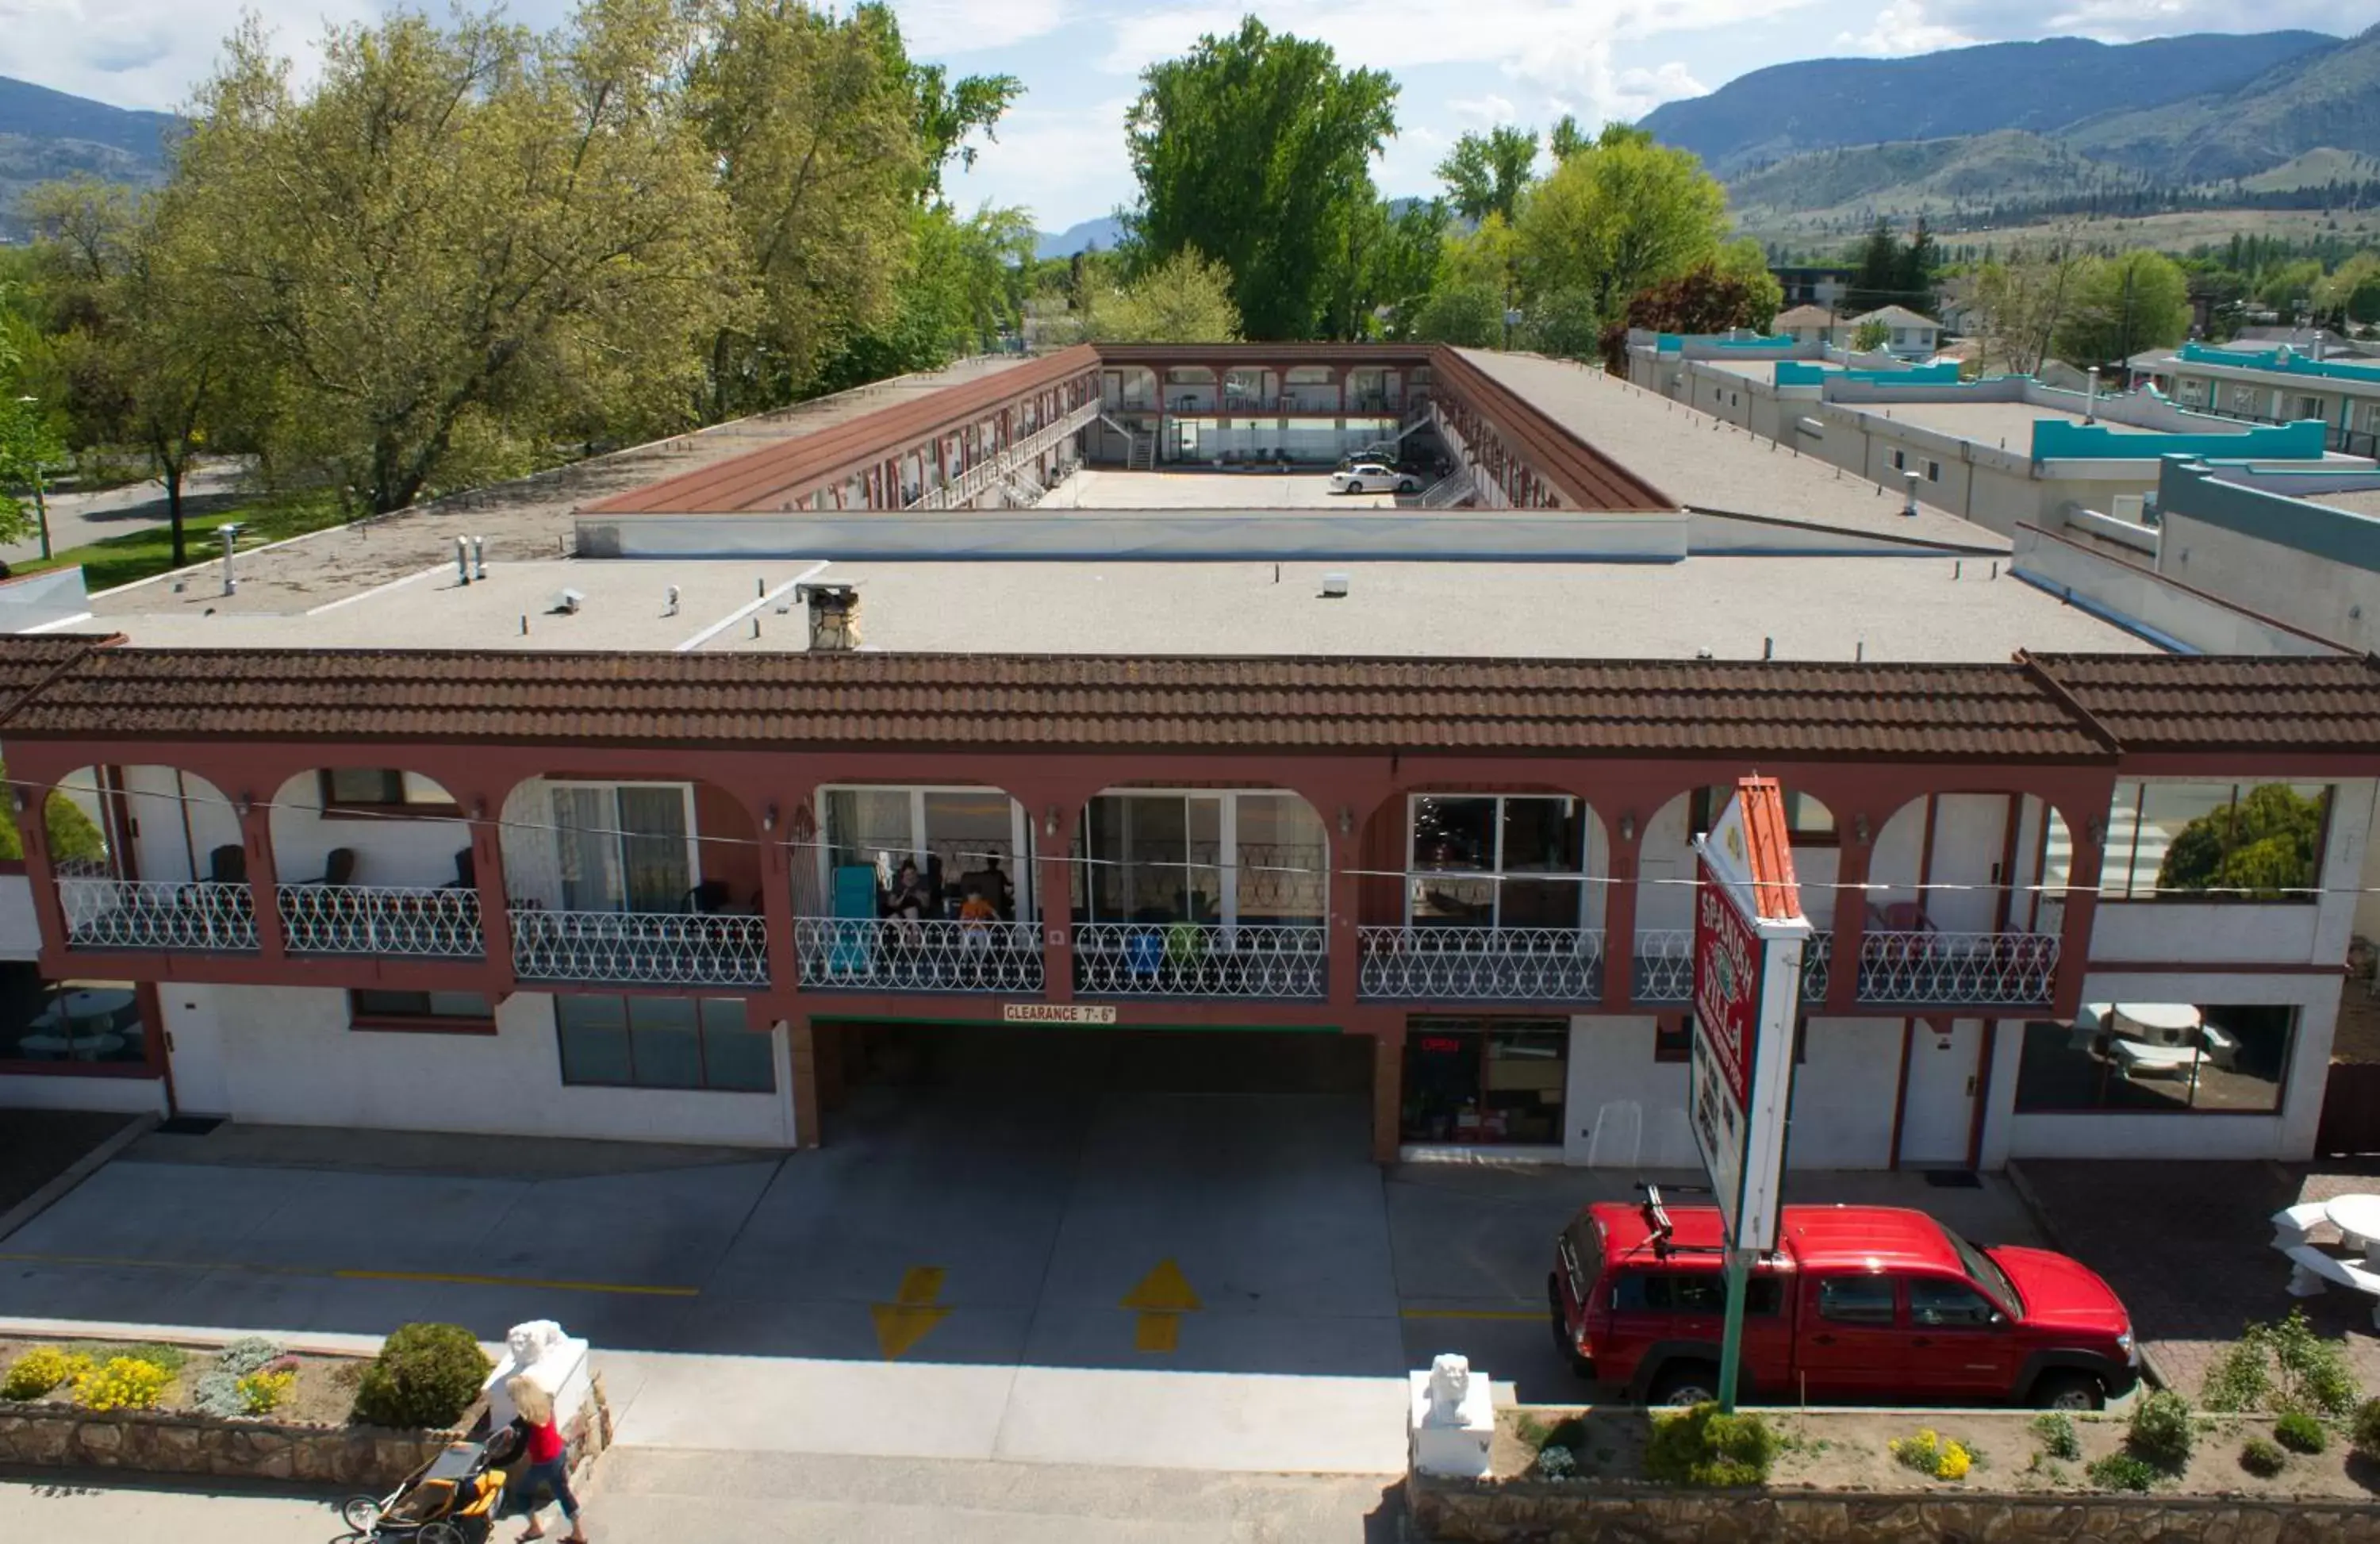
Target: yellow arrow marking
912,1314
1161,1300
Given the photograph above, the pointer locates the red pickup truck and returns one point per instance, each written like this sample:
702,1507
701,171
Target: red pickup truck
1869,1305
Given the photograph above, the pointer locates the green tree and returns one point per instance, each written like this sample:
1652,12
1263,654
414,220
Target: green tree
1734,291
1485,172
28,445
1402,267
1564,323
145,359
1566,139
1617,217
2351,293
1878,283
2123,304
456,246
1468,315
1871,336
2263,845
2019,302
1185,298
74,838
1256,148
965,283
813,123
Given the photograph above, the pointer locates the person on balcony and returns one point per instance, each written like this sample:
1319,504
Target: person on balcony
977,914
909,895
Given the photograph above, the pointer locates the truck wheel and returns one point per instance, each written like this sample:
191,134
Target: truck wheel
1579,1366
2068,1390
1684,1383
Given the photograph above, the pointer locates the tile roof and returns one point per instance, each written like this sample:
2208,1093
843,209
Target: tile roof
2207,702
28,661
1896,316
1052,702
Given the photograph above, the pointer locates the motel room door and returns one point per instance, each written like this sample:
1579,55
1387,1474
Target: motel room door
1939,1112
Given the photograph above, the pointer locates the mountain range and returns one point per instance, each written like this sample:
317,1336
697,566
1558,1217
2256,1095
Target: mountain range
2065,124
46,136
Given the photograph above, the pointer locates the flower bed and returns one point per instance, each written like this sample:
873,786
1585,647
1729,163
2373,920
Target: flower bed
246,1409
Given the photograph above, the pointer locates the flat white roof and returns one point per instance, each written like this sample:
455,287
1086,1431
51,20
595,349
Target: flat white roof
1920,609
1707,463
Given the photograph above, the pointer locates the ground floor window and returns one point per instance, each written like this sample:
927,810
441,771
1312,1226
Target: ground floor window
1486,1080
68,1025
663,1042
436,1013
2216,1057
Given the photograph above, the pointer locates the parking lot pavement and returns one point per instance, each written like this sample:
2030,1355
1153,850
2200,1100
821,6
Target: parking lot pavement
1217,1282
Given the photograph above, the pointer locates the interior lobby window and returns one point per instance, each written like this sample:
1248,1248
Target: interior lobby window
2215,1057
2215,842
1195,857
1486,1080
1488,861
67,1026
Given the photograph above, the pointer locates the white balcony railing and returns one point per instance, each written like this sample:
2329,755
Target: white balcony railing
1199,959
156,914
1505,965
640,947
381,919
1664,966
903,955
1958,968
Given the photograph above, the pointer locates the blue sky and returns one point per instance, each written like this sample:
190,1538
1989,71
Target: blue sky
1461,64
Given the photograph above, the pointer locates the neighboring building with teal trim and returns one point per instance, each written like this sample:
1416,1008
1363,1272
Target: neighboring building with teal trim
2277,385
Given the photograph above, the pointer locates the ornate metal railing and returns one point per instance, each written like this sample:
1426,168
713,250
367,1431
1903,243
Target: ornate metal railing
157,914
381,919
640,947
1958,968
1001,465
1664,966
1508,965
1199,959
901,954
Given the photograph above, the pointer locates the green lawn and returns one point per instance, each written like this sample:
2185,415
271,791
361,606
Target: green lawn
138,555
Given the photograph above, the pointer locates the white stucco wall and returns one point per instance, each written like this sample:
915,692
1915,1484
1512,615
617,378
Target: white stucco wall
388,851
1842,1095
286,1055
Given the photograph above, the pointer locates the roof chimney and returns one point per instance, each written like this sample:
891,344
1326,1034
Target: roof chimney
834,616
463,560
229,531
2091,397
1909,503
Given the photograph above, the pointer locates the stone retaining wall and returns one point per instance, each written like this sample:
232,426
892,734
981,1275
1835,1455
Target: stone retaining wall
1537,1512
176,1442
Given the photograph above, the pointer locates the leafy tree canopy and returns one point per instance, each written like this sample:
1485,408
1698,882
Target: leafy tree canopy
1485,174
2123,304
1256,150
2262,845
1185,298
1617,218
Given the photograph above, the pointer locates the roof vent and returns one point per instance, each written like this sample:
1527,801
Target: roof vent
835,615
1335,587
567,603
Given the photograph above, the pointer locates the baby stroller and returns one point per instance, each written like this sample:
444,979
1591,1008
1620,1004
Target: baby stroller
453,1499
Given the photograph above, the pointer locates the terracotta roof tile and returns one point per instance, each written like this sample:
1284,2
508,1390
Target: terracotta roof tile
2180,702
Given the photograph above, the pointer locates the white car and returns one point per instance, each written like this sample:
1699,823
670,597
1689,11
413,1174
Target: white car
1370,476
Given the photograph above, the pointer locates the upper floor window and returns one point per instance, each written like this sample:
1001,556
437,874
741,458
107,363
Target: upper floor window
1473,856
2215,842
383,788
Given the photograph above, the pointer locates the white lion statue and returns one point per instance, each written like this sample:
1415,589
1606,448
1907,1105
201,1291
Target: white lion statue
1449,1385
531,1342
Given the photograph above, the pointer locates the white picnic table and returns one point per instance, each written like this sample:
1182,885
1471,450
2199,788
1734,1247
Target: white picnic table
2312,1270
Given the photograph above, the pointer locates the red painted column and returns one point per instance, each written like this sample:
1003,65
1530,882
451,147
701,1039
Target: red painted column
1620,912
2088,837
1850,917
31,797
488,868
263,875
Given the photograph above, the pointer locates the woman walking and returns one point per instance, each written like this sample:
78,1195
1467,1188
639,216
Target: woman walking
549,1459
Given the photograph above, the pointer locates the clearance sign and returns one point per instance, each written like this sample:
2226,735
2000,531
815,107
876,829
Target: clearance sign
1748,937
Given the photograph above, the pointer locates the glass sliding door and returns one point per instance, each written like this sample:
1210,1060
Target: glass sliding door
623,848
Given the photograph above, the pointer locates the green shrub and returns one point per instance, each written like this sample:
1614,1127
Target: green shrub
260,1393
2122,1471
40,1370
2366,1428
2283,1366
426,1376
2300,1432
1555,1462
2056,1429
1932,1455
1700,1446
2161,1430
125,1383
2262,1458
246,1355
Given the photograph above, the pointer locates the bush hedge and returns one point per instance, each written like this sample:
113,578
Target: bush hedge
1700,1446
425,1376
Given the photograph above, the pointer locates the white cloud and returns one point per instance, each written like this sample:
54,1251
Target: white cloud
1065,165
1902,27
1490,109
150,53
957,27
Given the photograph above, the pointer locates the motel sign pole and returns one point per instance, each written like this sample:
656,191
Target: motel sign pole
1749,931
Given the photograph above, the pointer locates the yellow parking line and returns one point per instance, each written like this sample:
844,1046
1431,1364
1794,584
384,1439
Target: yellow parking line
433,1276
1530,1315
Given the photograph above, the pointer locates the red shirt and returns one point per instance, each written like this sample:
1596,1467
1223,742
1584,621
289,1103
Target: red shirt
545,1442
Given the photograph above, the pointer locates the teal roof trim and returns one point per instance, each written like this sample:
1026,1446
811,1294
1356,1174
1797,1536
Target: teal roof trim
2283,361
2057,440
